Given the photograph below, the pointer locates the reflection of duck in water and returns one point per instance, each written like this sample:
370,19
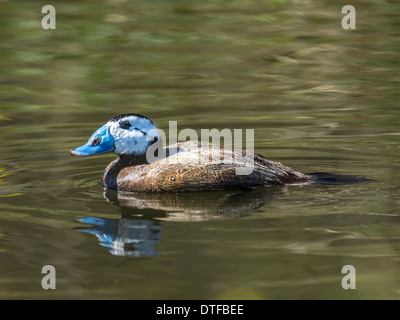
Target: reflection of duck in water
125,237
138,231
185,166
192,206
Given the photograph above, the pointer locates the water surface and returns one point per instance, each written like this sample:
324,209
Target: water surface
320,99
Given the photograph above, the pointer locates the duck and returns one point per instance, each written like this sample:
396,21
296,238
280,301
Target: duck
144,165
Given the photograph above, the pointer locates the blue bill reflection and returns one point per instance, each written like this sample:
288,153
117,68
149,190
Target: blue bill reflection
125,237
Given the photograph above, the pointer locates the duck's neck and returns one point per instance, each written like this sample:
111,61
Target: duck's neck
110,175
132,160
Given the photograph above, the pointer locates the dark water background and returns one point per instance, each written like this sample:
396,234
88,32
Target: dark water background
320,98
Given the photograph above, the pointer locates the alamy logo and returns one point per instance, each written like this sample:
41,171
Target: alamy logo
349,280
232,151
49,280
349,20
49,20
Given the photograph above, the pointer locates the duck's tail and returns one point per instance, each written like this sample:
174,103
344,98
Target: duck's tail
336,179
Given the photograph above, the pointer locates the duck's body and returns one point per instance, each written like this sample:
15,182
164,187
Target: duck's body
189,166
186,166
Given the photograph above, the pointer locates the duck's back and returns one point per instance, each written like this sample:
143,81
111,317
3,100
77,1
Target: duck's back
190,166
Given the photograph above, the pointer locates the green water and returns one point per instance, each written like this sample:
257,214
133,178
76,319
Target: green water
320,99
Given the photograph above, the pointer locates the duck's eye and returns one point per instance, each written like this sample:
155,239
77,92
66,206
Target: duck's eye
124,124
95,142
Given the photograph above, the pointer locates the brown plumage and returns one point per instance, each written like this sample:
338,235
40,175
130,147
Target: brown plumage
190,167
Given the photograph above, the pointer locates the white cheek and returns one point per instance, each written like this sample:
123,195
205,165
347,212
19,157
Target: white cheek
130,142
